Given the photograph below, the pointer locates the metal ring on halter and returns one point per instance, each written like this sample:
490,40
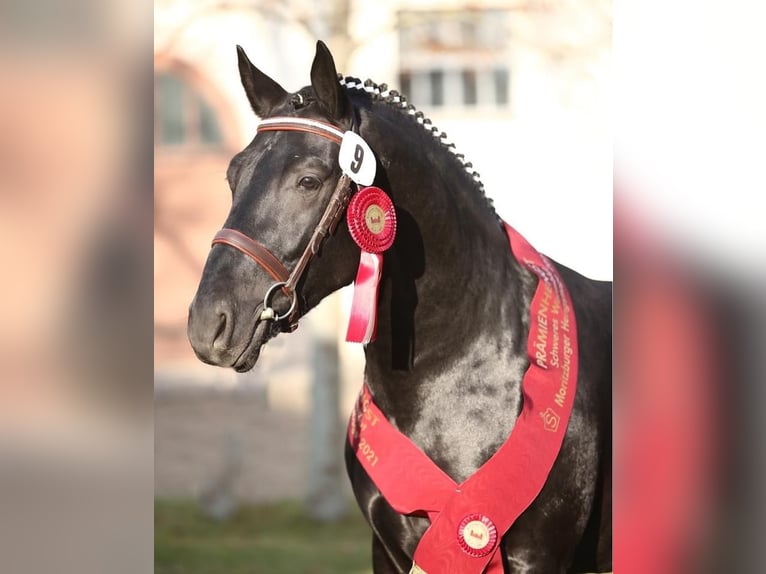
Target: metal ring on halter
268,313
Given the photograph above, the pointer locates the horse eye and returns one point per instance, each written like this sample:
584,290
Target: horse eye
309,183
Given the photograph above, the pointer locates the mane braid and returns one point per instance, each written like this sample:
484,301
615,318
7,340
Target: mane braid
398,101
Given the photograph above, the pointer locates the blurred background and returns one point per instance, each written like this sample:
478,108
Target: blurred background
76,306
521,87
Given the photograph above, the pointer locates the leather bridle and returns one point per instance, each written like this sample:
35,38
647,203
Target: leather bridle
285,280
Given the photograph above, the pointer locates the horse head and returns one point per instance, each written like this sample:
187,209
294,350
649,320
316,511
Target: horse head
282,184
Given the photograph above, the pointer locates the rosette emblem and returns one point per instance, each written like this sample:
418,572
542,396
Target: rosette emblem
477,535
371,221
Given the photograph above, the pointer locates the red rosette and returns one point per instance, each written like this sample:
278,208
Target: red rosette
477,535
372,219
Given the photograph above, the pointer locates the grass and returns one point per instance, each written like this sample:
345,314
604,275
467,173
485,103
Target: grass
274,539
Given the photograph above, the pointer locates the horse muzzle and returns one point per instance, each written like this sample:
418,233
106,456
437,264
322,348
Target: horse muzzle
220,338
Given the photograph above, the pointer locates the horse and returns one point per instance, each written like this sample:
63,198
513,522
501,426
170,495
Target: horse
450,351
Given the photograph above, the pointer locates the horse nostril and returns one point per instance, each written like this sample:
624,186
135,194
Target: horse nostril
224,329
221,328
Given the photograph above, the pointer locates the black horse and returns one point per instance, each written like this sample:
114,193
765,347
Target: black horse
453,316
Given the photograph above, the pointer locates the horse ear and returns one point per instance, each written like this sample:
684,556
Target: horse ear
324,79
262,92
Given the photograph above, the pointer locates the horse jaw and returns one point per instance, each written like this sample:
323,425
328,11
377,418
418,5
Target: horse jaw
263,332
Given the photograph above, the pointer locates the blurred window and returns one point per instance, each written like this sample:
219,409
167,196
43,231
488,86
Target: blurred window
182,115
455,59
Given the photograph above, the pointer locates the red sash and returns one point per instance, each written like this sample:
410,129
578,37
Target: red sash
469,519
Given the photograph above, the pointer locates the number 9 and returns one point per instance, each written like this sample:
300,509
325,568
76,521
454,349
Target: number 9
356,165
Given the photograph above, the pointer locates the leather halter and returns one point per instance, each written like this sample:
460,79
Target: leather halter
336,207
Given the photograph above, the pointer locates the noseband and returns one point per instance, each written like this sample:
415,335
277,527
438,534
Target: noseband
285,280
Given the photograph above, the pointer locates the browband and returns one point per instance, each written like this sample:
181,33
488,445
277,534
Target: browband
316,127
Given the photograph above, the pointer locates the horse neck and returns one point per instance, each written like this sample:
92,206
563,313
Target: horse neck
450,307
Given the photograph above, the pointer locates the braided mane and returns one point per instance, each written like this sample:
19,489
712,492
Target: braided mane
397,100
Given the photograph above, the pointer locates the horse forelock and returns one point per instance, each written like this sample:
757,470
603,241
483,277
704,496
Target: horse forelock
380,93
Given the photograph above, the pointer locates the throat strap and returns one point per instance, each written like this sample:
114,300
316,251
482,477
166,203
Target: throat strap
469,519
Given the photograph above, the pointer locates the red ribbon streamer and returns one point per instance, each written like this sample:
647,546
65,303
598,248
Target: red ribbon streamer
362,323
372,223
